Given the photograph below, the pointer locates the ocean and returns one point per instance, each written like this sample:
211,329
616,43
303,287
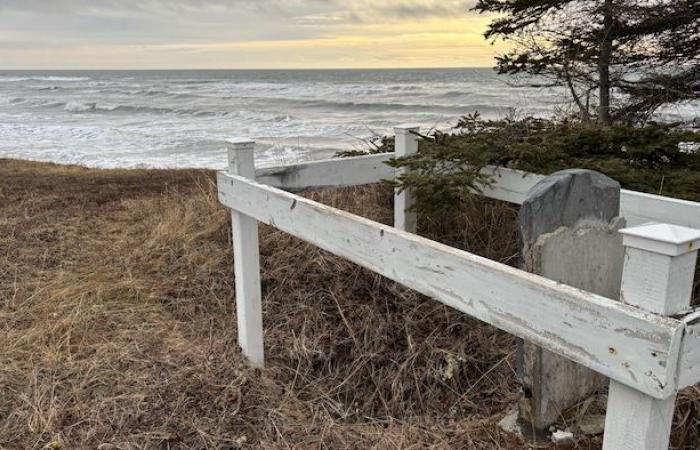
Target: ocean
181,119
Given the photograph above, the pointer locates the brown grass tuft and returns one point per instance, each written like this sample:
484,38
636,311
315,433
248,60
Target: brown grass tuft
118,331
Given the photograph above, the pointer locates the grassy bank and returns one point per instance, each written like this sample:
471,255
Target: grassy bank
118,329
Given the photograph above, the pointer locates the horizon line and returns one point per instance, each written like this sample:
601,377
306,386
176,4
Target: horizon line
241,69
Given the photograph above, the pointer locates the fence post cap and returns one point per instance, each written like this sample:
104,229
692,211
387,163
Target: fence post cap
406,128
241,142
662,238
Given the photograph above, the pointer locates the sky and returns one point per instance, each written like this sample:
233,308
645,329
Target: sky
241,34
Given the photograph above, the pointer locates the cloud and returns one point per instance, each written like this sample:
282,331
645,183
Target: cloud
415,9
233,12
158,21
36,32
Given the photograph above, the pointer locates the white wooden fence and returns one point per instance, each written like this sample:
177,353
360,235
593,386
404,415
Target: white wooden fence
647,343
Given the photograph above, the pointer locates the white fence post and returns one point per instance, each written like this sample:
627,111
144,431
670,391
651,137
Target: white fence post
406,143
246,260
658,277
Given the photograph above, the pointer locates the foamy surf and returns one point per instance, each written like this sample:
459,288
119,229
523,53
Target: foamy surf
177,119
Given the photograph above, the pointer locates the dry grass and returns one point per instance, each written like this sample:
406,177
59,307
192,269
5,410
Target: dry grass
118,330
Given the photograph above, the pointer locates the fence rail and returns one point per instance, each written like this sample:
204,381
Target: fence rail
509,185
648,343
571,322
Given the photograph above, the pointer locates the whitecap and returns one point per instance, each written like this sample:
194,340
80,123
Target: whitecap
76,107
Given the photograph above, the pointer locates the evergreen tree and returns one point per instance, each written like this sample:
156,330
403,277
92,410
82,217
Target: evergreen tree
646,50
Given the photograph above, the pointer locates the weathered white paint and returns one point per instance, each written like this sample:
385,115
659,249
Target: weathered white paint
246,261
667,277
655,262
510,186
661,238
634,421
405,144
639,208
634,347
660,260
328,173
689,371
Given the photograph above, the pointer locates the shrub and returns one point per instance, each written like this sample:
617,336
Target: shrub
448,166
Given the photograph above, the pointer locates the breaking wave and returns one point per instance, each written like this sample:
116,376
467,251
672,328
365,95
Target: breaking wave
181,118
75,107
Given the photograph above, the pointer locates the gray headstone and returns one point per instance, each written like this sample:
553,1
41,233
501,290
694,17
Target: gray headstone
566,197
568,231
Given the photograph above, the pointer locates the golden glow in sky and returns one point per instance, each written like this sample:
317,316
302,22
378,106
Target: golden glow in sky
293,34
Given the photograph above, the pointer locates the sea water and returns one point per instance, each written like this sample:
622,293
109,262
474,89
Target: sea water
179,119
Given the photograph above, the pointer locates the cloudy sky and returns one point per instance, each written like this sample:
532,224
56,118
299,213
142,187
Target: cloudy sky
67,34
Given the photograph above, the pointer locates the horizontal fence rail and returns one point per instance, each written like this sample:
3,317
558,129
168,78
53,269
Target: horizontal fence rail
647,342
689,370
509,185
629,345
340,172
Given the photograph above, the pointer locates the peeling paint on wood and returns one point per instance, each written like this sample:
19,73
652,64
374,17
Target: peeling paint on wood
246,262
652,278
689,367
509,185
570,322
328,173
406,143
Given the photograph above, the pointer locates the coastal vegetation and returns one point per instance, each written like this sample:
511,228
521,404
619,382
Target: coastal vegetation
119,330
118,326
117,310
655,158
